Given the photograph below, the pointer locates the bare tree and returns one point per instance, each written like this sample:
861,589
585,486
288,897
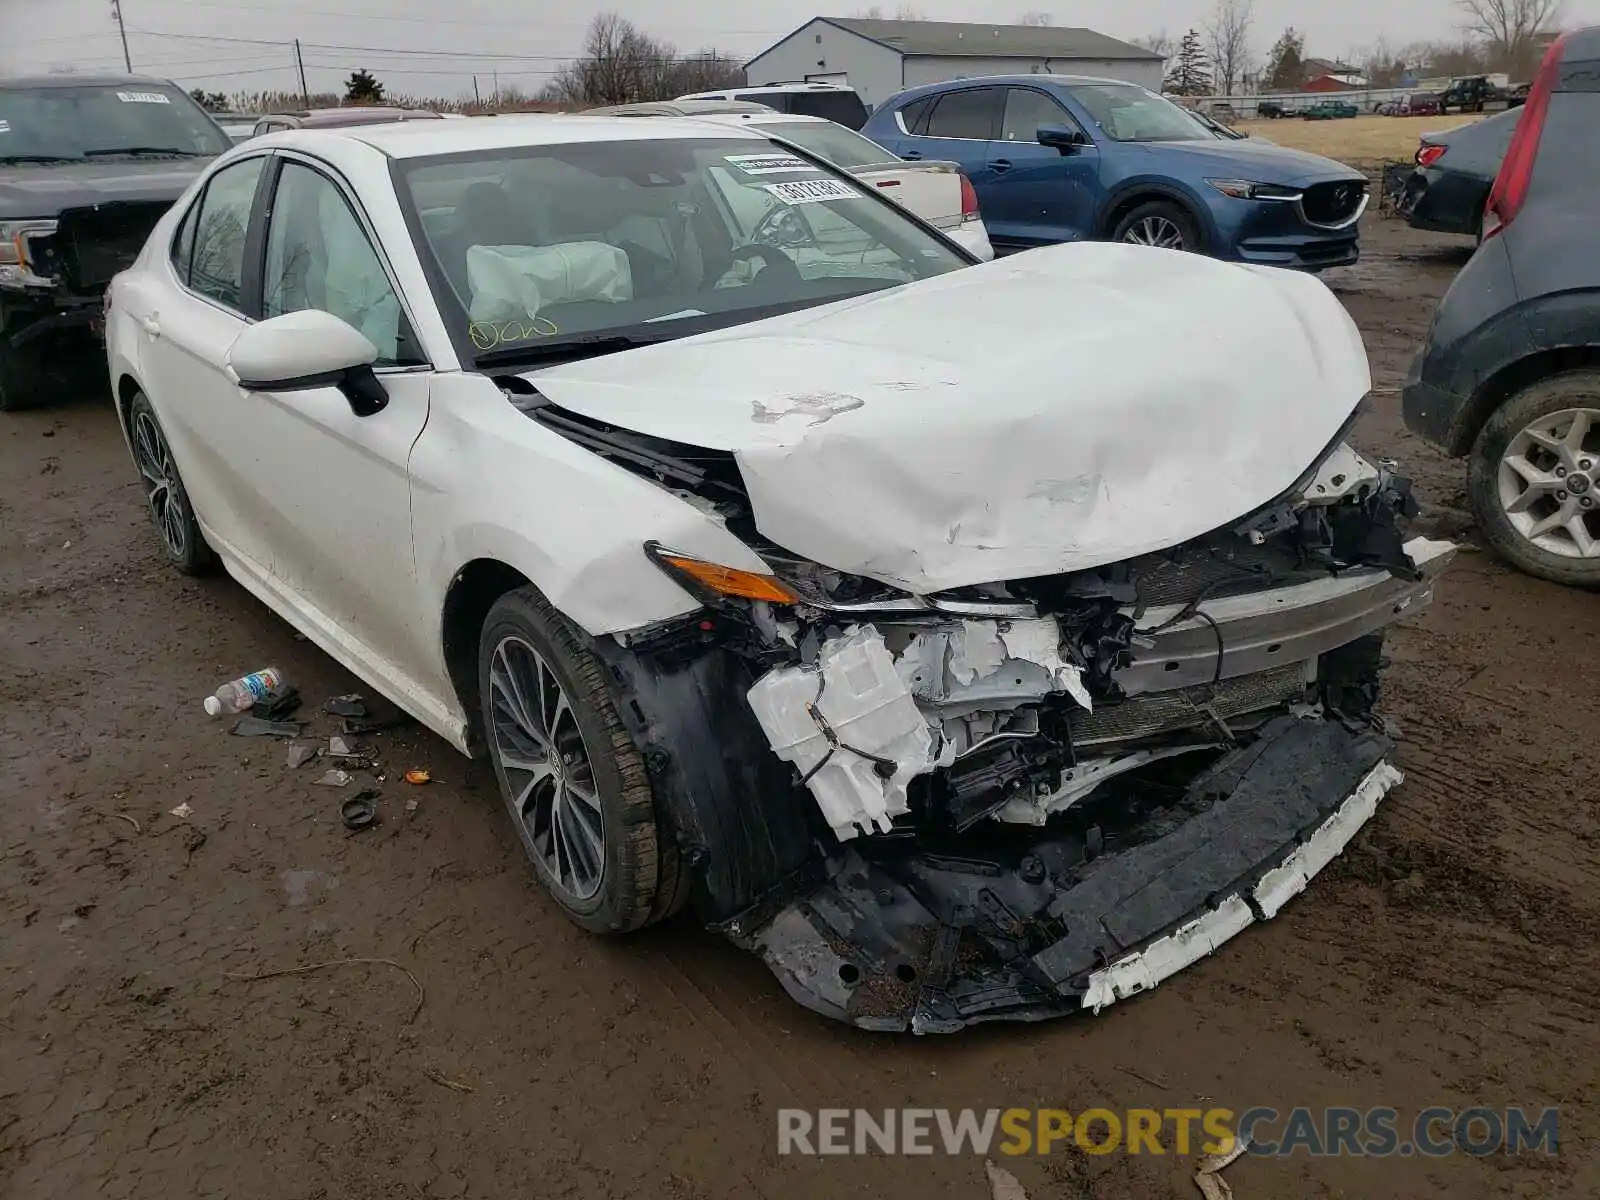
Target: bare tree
1161,43
1228,35
1035,18
623,65
1511,28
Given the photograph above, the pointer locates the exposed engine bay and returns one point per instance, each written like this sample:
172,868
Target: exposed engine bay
1026,798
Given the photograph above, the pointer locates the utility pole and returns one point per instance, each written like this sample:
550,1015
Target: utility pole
116,11
305,94
476,98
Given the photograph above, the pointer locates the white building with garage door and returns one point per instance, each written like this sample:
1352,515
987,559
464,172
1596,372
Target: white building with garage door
879,58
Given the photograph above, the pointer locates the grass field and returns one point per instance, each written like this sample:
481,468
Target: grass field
1359,141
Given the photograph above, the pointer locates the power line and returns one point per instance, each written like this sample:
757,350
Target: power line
470,55
538,24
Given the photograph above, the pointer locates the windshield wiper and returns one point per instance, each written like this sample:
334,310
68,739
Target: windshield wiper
571,347
37,158
172,151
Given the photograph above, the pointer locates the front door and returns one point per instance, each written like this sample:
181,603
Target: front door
333,524
1045,194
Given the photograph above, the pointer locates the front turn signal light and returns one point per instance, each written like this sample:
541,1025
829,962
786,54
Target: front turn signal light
711,580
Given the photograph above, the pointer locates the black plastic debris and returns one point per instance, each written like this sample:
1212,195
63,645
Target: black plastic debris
353,705
360,811
278,703
253,726
365,716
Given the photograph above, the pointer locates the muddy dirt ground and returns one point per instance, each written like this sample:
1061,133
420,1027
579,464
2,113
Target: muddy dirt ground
1450,958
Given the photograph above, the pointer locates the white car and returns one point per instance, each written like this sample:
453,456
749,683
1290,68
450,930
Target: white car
974,641
938,192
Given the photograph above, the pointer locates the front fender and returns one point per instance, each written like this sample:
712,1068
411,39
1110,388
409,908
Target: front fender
489,482
1163,186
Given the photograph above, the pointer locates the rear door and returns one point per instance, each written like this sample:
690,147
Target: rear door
1041,194
959,126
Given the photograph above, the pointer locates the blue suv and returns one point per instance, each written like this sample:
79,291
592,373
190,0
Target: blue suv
1060,158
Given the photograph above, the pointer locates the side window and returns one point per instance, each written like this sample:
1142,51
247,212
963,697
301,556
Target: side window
1026,110
319,256
914,116
217,268
973,114
183,244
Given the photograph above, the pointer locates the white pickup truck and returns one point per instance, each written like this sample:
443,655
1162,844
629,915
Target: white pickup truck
935,191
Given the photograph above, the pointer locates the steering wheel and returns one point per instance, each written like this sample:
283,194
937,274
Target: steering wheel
776,261
784,226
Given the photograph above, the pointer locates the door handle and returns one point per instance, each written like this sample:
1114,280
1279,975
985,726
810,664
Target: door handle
1000,165
151,324
912,154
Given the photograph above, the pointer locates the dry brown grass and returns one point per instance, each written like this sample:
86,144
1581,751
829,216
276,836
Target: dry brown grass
1360,141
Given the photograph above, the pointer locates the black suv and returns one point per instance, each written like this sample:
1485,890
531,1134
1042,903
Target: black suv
1510,376
88,163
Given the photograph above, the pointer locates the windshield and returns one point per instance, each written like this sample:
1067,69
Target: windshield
840,146
104,121
538,246
1127,113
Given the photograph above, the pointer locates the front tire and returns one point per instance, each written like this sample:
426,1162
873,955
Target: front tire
1533,478
1159,223
164,493
571,777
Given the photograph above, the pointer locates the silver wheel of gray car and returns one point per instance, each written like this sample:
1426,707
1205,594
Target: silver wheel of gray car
548,770
1549,482
1160,223
1534,479
1156,231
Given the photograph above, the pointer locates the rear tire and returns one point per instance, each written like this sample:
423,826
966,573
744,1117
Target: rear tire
165,496
1161,223
572,779
1492,485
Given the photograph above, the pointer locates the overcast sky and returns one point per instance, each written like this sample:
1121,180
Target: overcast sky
435,47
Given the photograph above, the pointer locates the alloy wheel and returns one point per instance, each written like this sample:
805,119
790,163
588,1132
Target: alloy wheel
1549,483
169,507
551,781
1156,231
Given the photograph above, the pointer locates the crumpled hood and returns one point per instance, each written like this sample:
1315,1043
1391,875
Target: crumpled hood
46,190
1047,412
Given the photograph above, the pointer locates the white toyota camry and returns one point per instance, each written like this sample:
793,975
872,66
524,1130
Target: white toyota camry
973,641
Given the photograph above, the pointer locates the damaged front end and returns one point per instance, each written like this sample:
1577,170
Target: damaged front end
1027,798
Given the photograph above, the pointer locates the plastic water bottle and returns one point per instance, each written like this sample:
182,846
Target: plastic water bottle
239,695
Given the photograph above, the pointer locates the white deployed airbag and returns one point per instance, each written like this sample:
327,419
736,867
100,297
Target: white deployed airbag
512,283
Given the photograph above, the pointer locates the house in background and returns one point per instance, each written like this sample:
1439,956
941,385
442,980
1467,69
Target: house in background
1335,83
879,58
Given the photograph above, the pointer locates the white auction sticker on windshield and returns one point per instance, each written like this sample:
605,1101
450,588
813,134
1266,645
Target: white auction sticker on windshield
767,164
142,98
809,191
5,126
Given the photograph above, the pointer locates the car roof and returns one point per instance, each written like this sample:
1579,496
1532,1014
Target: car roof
1019,80
677,108
769,87
510,131
81,79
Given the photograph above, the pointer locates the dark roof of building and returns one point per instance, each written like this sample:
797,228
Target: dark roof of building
951,38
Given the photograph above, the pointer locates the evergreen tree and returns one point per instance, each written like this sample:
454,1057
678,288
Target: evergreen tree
362,88
1191,73
1286,64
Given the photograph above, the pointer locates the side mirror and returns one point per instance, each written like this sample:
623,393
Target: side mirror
309,349
1059,137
